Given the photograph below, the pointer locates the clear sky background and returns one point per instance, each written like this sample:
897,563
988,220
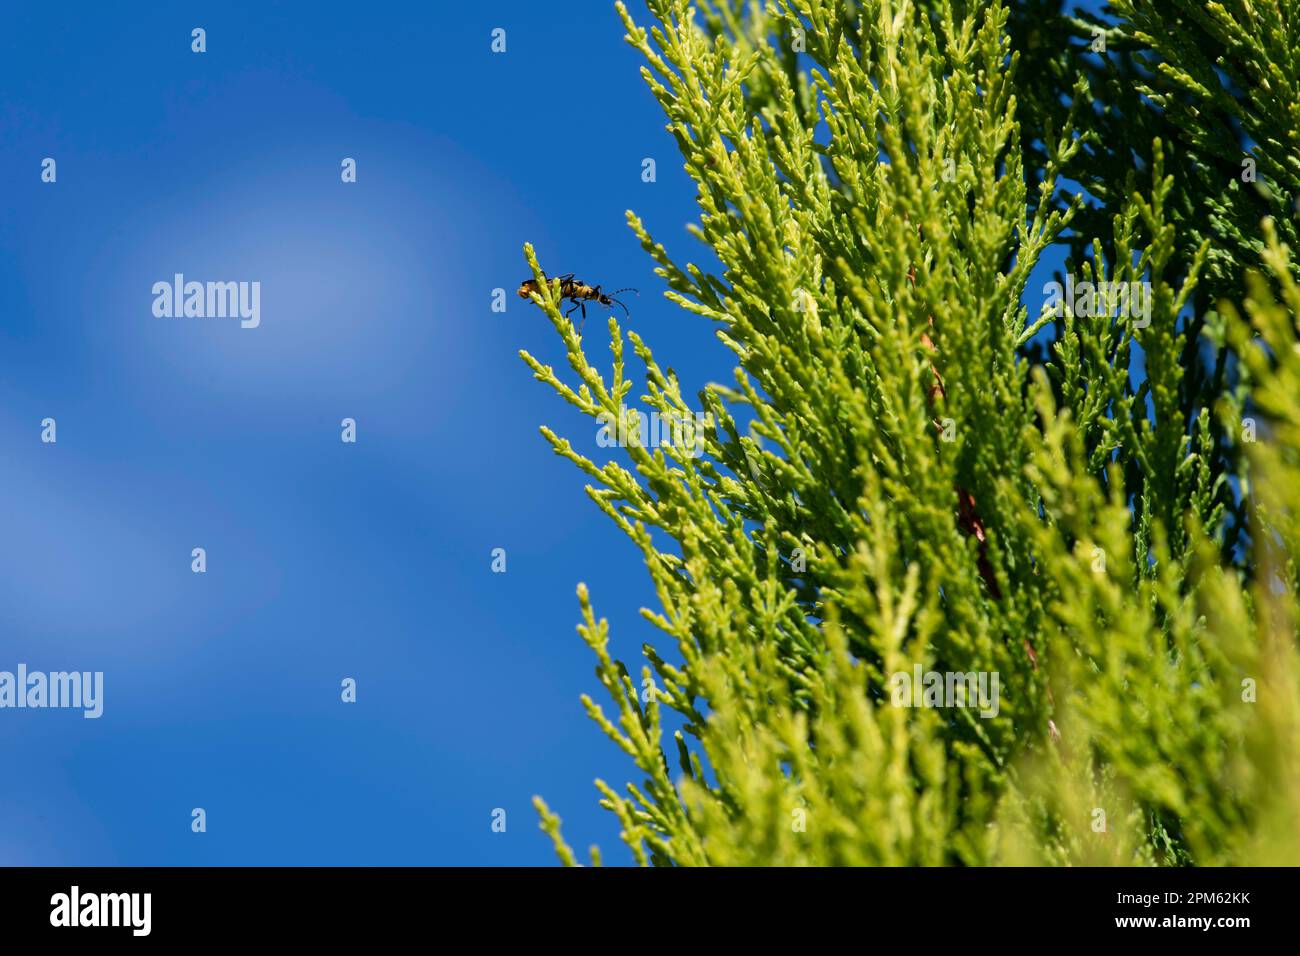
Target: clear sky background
325,560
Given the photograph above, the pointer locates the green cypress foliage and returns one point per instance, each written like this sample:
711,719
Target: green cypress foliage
920,466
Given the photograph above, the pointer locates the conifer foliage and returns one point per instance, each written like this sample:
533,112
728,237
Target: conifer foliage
922,466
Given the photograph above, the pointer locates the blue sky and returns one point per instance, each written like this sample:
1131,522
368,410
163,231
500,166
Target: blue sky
325,560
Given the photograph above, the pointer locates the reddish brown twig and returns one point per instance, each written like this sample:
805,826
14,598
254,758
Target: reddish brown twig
968,518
